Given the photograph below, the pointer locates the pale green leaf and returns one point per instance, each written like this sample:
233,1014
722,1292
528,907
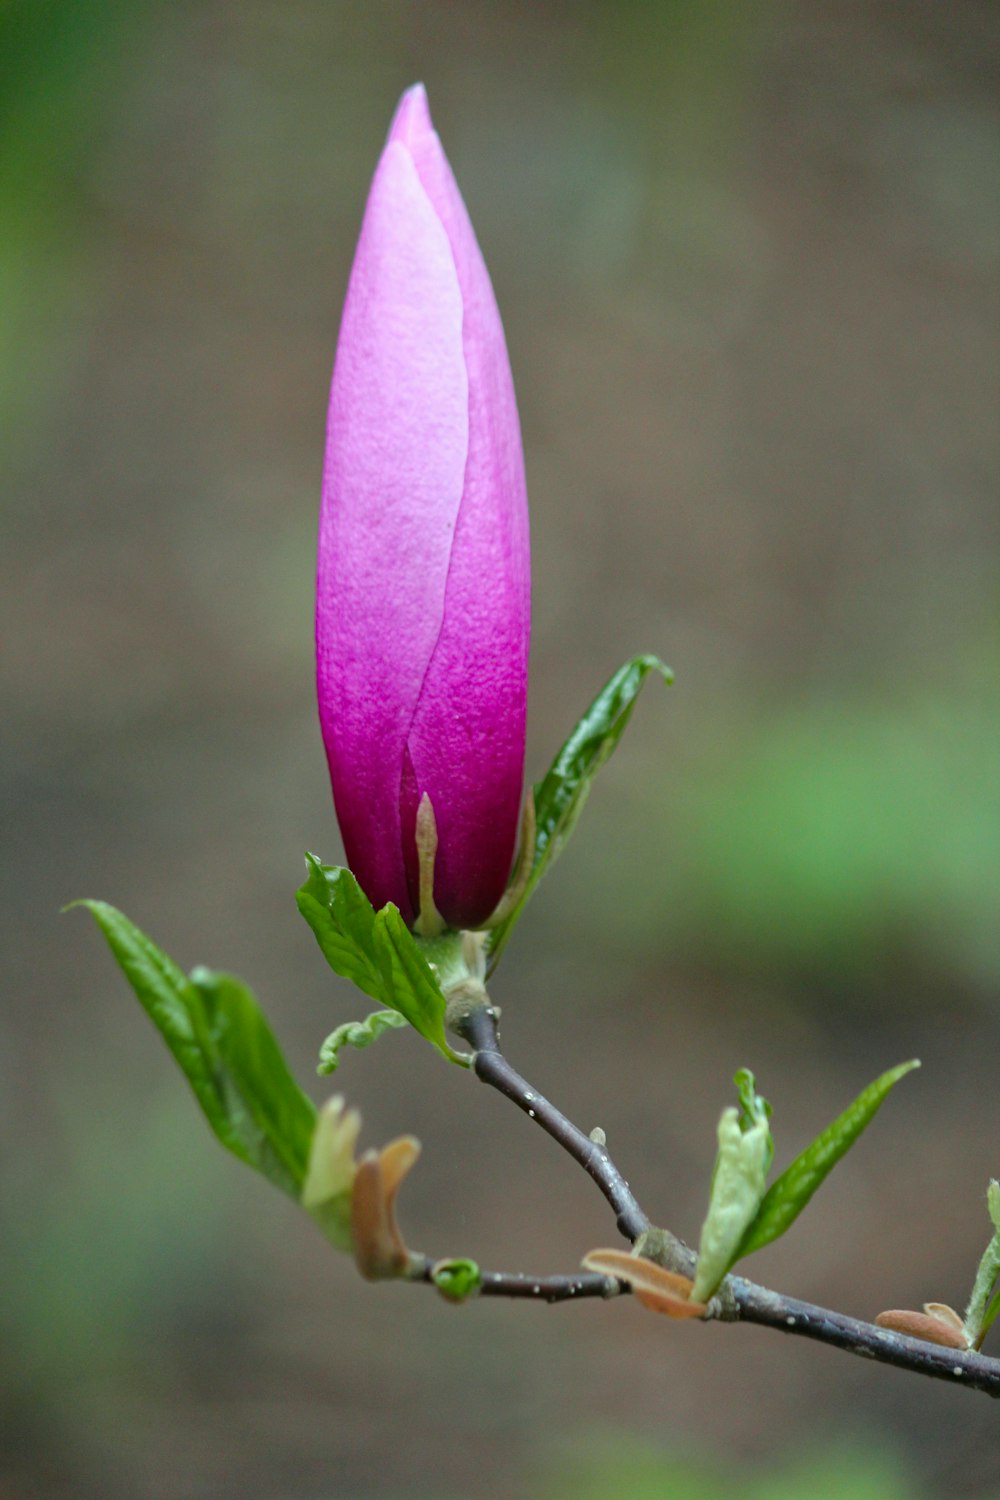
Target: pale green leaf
737,1189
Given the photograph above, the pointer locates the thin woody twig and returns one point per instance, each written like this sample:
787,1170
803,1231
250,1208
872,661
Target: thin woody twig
739,1300
548,1288
480,1030
517,1284
756,1304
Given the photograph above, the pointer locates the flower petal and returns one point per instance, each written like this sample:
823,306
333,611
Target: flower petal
466,741
397,442
423,607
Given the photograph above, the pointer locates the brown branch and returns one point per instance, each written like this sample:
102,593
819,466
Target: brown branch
739,1300
755,1304
517,1284
479,1029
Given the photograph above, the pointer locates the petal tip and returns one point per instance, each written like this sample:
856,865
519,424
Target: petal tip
412,118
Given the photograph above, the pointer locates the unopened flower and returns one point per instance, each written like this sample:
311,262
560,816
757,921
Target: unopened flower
422,615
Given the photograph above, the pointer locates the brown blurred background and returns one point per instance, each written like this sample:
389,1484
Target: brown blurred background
747,258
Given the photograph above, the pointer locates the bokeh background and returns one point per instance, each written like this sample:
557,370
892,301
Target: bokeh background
747,258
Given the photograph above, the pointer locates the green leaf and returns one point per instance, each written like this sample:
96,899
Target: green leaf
456,1280
754,1109
982,1309
560,796
737,1186
375,950
329,1185
342,919
266,1111
409,985
357,1034
788,1194
226,1050
989,1317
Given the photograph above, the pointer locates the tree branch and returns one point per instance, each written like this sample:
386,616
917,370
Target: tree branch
479,1029
517,1284
739,1300
755,1304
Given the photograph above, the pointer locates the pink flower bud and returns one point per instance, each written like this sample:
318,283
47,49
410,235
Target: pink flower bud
422,598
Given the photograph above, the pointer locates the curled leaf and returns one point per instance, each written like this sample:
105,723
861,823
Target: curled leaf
655,1287
456,1280
357,1034
379,1248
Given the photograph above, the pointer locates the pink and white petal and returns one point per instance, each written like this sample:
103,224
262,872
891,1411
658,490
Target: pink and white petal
467,737
397,446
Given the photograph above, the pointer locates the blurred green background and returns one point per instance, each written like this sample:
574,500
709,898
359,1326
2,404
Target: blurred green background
747,258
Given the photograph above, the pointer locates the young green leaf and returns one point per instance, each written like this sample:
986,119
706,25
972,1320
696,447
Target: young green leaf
329,1183
357,1034
560,796
343,922
265,1110
376,950
989,1318
788,1194
982,1310
226,1050
456,1280
737,1187
408,983
754,1109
